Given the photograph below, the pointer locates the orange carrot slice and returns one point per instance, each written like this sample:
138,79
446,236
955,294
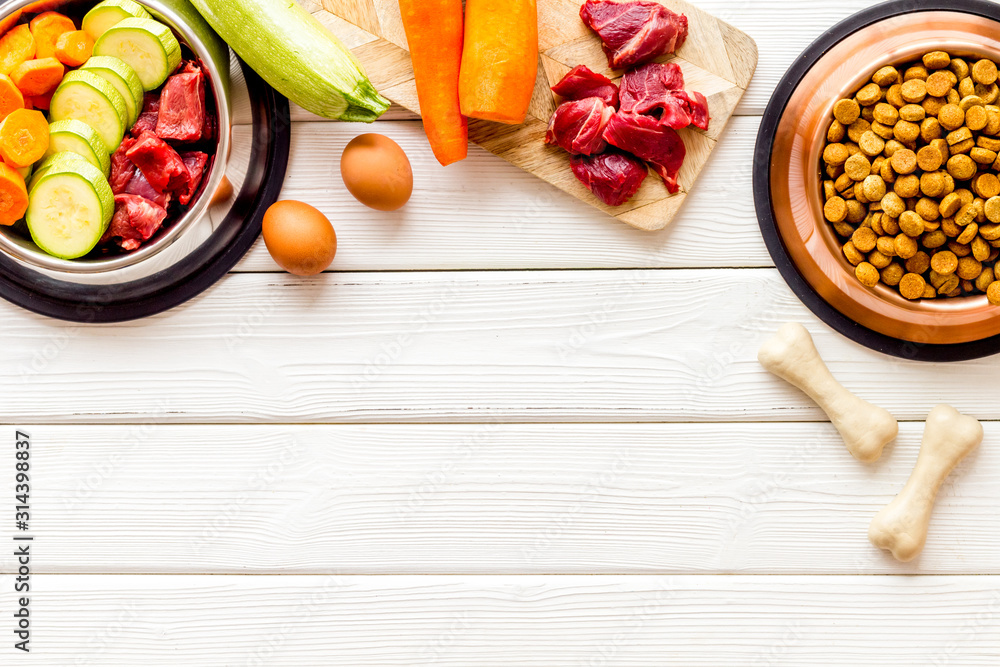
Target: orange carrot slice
38,77
24,138
47,28
40,101
11,98
13,196
16,46
74,48
9,21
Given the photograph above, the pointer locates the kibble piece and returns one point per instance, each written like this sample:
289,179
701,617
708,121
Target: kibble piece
886,172
962,147
874,188
835,209
986,186
928,209
984,279
912,285
857,167
950,204
915,72
883,131
905,246
976,118
949,183
966,88
853,255
988,143
984,72
885,113
892,274
953,97
936,60
856,129
867,274
988,94
968,234
871,95
836,133
932,105
919,263
969,101
843,229
938,84
891,147
934,239
958,136
911,224
993,293
893,205
983,155
969,268
870,143
993,126
856,212
907,186
951,117
950,228
886,245
959,249
846,111
990,232
914,90
878,260
992,209
906,132
929,158
885,76
835,154
961,167
864,239
843,183
904,161
890,225
948,285
932,183
965,215
944,262
980,249
913,113
930,129
959,67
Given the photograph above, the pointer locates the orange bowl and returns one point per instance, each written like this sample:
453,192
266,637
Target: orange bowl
788,186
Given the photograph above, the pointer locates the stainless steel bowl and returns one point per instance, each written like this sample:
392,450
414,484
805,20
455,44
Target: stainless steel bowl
193,31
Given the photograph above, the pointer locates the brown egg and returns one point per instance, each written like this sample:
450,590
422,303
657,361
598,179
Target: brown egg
377,172
299,237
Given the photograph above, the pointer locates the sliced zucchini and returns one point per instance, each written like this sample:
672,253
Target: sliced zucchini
106,14
117,72
71,207
148,46
44,165
85,96
75,136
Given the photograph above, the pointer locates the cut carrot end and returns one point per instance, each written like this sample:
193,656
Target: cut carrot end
24,137
13,196
38,77
16,46
74,48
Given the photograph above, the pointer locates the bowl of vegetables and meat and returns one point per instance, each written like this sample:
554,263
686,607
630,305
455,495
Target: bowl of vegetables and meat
114,130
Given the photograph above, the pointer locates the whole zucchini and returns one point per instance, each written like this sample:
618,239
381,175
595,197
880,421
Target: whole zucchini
293,52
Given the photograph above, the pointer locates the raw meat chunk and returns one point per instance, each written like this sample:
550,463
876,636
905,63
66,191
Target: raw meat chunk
136,219
581,83
141,187
634,31
614,177
645,137
122,169
159,163
182,106
658,89
578,127
150,113
195,162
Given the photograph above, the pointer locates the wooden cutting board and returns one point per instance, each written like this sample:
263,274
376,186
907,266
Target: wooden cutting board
717,60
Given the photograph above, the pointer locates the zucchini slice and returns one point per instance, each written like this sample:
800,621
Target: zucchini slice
109,13
44,165
148,46
85,96
70,208
118,73
75,136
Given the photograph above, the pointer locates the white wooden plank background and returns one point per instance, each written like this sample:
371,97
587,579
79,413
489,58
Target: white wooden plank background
503,430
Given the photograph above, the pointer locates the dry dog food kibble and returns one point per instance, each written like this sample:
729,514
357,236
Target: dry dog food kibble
910,178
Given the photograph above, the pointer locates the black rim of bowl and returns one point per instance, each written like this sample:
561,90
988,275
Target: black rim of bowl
195,273
762,190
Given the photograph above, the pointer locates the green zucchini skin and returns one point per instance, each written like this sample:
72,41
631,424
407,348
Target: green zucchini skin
299,57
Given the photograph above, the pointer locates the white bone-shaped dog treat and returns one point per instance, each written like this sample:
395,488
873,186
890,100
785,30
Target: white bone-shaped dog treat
901,527
792,356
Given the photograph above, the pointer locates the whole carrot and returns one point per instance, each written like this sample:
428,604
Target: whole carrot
434,31
500,60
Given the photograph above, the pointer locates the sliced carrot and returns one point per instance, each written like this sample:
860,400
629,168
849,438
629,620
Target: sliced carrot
28,103
40,101
17,46
13,196
74,48
38,77
47,28
434,30
9,21
11,98
24,138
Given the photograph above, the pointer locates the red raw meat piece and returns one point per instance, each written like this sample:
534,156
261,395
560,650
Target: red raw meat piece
582,83
646,138
140,186
195,162
578,126
613,177
150,113
658,89
136,219
160,164
634,31
122,169
182,105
